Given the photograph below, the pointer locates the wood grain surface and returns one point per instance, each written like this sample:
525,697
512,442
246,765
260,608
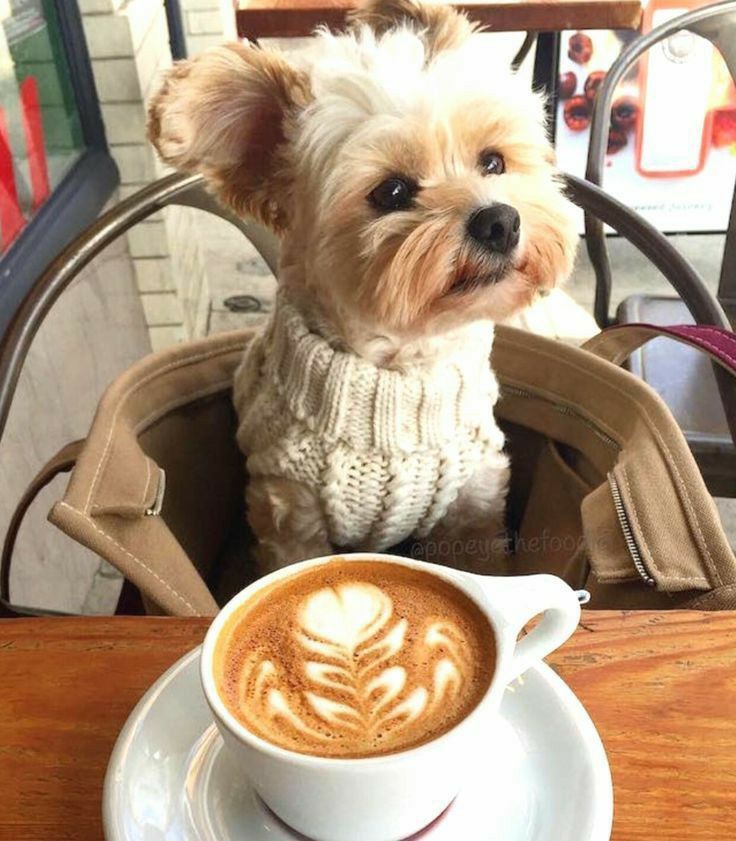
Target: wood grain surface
295,18
68,686
661,688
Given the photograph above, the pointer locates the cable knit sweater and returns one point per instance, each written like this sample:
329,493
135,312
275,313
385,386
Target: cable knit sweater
385,451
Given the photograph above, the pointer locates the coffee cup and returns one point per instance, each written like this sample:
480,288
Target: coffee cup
384,796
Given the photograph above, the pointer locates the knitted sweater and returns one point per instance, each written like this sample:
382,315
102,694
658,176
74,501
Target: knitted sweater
385,451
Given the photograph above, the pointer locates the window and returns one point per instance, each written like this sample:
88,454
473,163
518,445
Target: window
40,130
55,173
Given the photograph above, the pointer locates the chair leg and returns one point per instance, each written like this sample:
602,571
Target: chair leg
7,612
546,64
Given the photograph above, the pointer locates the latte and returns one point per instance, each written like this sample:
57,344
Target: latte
354,659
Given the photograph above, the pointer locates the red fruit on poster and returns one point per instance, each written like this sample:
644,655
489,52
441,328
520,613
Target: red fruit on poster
724,128
580,48
592,83
616,141
576,113
567,85
624,113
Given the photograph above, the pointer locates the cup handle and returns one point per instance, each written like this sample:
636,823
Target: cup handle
519,599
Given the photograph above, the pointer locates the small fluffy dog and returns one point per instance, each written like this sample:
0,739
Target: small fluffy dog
410,178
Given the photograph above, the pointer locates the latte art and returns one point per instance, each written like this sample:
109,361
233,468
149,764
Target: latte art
348,639
348,660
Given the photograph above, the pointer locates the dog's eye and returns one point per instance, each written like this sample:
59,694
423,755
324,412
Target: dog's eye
491,163
393,194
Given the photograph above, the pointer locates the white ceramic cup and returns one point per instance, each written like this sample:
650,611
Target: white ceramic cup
387,798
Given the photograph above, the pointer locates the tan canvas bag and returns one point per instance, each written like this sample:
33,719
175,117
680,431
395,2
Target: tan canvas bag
604,492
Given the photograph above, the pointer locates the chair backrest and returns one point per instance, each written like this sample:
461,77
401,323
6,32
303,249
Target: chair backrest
176,189
717,23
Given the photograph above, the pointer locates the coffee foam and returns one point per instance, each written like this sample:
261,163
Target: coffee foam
355,658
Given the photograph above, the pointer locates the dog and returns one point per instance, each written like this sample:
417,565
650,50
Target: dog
409,176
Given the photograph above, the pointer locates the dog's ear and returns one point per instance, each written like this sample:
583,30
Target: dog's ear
226,114
441,27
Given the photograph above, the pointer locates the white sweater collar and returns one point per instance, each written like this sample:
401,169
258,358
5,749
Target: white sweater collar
344,397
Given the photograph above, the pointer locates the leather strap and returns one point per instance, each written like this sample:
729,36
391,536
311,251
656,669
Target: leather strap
617,343
62,462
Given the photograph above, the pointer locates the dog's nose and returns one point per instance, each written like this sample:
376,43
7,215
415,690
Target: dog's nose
495,227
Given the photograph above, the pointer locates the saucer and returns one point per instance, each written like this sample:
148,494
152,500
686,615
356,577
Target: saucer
545,776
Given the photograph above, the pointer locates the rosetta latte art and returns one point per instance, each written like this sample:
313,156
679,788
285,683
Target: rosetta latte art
359,679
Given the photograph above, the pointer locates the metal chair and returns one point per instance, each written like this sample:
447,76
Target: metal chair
189,191
681,376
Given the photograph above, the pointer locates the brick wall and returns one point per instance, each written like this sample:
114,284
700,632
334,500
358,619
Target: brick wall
208,23
129,47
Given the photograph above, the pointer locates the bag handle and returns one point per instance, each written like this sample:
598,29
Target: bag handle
617,343
62,462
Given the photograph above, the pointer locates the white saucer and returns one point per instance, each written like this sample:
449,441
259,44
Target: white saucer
546,777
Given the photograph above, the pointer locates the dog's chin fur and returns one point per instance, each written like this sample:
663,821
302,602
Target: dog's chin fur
409,90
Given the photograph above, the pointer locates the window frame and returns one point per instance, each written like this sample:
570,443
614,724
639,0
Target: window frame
86,187
177,35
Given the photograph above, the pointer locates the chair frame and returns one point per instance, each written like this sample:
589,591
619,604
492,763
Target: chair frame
188,190
716,23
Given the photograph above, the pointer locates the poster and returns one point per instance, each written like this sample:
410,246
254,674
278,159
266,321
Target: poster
672,143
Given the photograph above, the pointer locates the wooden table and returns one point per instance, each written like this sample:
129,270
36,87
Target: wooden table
661,688
292,18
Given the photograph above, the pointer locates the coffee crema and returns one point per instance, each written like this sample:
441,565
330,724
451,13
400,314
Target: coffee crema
354,659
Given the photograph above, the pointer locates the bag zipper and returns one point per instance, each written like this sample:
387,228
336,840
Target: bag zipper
623,520
563,409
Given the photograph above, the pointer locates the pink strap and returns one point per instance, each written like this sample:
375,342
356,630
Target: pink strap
35,144
617,343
